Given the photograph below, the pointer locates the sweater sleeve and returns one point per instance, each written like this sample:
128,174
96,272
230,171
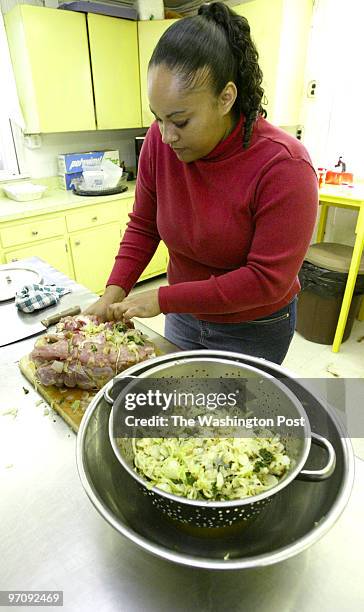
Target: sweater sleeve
141,237
284,212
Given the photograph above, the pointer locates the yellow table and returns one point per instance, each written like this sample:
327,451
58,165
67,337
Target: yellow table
344,197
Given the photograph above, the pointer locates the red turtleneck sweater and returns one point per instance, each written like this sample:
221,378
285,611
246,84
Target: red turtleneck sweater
237,224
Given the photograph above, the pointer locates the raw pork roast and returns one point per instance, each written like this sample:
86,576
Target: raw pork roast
86,353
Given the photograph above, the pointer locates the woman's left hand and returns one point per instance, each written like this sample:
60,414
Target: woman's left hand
143,304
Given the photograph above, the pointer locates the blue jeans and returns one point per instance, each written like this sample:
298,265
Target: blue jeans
268,337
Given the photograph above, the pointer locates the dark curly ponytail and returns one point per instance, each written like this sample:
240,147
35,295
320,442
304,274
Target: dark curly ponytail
217,39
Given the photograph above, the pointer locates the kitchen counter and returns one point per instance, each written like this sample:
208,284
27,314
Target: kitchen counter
54,200
52,538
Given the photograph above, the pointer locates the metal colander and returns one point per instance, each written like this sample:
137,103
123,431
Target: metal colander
267,397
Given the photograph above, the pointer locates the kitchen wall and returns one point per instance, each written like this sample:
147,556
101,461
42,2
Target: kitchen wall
332,118
42,162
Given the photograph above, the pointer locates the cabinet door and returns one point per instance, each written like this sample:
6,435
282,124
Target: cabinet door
158,264
159,261
93,254
54,252
280,30
115,71
50,56
265,24
149,32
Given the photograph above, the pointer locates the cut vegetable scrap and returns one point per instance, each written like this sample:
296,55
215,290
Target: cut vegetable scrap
75,406
10,412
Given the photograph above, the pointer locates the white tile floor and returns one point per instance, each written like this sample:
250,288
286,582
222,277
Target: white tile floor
308,359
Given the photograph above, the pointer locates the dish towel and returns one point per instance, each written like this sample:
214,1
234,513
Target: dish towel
36,297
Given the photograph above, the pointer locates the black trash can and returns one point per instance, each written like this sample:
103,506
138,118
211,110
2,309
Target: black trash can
323,279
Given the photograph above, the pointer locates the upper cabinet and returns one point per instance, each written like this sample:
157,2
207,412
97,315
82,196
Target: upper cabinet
149,32
115,71
84,72
280,29
49,52
74,72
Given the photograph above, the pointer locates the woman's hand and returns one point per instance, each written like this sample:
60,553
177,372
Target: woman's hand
112,294
143,304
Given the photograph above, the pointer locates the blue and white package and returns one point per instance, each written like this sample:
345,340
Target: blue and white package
70,163
68,181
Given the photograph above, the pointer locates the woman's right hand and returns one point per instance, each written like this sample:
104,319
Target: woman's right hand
112,294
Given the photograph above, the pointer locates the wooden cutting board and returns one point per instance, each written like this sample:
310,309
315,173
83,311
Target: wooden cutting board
62,400
69,403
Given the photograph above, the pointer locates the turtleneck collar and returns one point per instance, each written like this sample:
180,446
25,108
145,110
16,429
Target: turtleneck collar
229,146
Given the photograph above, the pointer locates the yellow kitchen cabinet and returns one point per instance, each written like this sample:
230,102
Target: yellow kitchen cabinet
158,263
149,32
93,254
80,241
115,71
99,214
42,236
54,252
31,232
95,232
50,56
280,30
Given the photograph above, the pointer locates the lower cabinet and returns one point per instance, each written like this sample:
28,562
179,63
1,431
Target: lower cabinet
54,252
93,254
81,242
158,263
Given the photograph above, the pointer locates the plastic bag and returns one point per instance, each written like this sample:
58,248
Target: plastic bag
326,283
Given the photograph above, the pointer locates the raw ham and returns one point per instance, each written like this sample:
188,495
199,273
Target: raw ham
85,353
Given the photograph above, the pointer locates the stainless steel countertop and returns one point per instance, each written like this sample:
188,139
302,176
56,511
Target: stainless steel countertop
52,538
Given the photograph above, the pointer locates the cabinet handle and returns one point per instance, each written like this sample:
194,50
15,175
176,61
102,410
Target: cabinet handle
66,247
94,219
15,259
77,243
34,233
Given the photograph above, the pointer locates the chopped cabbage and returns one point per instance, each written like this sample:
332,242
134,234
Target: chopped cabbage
216,469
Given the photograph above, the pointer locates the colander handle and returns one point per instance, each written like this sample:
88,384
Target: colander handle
325,472
110,386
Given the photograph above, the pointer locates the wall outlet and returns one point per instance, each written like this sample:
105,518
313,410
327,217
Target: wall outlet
294,130
311,89
33,141
299,132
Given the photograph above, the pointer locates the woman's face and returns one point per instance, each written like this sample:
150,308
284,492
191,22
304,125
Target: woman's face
191,121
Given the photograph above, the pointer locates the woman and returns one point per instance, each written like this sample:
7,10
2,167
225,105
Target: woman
233,197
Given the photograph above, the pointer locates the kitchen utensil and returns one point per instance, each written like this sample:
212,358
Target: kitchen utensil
297,518
12,278
269,399
18,325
